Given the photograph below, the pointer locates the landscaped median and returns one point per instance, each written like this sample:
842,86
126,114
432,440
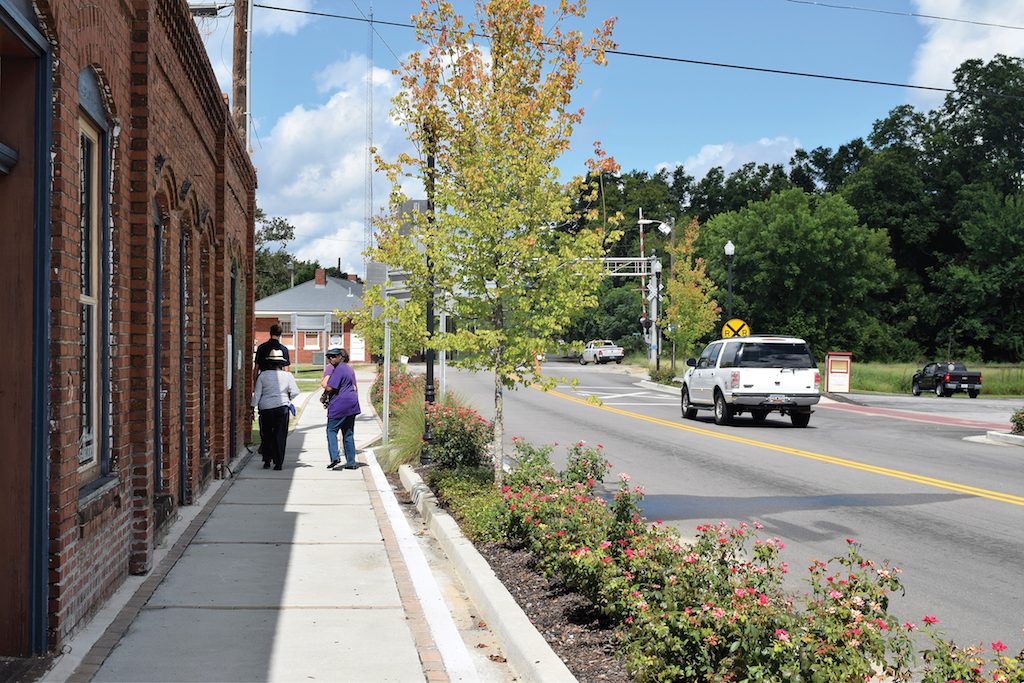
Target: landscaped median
1016,435
711,610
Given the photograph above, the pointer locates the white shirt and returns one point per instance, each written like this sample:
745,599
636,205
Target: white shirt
274,388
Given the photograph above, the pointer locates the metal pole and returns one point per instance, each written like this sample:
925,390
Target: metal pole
652,353
387,381
643,279
729,260
429,388
444,357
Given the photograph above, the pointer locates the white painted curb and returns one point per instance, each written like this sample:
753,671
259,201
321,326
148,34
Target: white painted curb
526,650
1002,437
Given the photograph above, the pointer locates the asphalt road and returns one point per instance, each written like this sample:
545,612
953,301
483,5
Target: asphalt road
902,475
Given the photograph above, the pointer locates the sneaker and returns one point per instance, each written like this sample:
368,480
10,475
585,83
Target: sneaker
266,465
277,467
351,466
332,464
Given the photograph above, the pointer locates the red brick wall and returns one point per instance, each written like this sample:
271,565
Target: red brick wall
172,145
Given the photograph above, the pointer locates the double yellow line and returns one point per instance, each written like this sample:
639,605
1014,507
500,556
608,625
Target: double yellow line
810,455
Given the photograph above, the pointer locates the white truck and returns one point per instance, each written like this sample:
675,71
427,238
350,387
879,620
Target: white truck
601,351
756,375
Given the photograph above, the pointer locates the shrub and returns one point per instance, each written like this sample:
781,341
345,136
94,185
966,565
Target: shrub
470,495
403,387
662,376
459,435
1017,421
716,609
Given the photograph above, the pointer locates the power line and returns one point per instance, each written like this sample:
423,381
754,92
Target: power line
663,58
905,14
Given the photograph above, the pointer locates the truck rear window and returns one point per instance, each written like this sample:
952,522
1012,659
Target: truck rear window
774,355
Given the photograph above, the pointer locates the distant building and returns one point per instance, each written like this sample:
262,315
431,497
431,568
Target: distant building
126,208
306,314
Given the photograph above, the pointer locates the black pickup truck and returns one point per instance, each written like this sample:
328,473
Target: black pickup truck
945,379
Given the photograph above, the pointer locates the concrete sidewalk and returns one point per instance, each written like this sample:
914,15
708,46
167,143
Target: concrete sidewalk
301,574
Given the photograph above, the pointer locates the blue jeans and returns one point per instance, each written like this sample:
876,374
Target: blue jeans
347,425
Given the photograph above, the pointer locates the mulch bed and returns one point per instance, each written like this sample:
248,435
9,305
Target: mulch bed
566,620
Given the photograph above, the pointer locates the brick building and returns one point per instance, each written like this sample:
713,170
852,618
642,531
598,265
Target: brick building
126,209
306,315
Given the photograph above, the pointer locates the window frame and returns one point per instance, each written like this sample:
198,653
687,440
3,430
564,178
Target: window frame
305,340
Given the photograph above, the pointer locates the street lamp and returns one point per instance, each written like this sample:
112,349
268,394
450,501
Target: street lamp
730,251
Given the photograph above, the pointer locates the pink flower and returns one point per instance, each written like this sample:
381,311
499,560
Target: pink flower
835,595
998,646
782,634
930,619
623,476
762,600
851,541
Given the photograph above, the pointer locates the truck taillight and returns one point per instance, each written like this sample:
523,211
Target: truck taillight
735,383
979,378
946,378
817,378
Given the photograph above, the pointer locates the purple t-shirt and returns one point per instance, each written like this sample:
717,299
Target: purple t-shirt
346,401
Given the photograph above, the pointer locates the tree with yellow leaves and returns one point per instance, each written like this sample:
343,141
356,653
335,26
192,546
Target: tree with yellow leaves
487,104
691,311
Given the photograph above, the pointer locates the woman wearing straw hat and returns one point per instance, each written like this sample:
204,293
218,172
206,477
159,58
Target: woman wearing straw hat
275,390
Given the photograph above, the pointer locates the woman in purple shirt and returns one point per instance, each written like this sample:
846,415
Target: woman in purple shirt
342,410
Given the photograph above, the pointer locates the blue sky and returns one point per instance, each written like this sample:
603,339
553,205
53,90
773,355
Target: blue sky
309,89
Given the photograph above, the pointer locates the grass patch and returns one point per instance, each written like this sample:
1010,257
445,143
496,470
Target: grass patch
896,378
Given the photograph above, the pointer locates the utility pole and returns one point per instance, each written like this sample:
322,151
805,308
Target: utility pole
429,388
240,102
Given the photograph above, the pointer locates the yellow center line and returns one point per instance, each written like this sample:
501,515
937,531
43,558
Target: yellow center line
810,455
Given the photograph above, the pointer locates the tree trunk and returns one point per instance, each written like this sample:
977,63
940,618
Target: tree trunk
499,426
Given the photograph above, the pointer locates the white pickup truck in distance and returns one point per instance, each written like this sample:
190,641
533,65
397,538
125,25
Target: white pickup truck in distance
757,375
601,351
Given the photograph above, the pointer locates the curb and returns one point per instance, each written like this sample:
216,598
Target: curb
648,384
526,650
1003,437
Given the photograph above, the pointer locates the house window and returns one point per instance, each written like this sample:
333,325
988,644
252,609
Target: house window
337,327
91,212
286,326
311,340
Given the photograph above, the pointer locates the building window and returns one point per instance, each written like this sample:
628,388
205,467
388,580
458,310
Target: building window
286,325
311,340
91,212
337,327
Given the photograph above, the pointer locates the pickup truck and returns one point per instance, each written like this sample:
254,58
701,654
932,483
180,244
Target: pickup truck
946,379
755,375
601,351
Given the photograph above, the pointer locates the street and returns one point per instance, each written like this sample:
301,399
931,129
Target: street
910,484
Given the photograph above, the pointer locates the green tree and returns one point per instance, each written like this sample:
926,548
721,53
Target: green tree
691,311
496,128
804,266
272,258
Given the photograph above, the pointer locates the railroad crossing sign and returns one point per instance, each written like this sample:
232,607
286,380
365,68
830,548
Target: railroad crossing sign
735,328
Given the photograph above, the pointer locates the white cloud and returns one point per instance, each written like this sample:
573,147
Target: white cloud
730,155
312,166
267,21
948,43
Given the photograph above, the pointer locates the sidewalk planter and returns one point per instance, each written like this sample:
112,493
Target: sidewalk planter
527,651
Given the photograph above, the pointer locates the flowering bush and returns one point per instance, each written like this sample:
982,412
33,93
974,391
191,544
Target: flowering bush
459,435
944,661
585,464
715,610
403,387
1017,421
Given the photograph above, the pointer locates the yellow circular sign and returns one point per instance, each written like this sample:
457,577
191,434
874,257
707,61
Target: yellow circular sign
735,328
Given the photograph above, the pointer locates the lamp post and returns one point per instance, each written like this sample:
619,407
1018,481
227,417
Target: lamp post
730,251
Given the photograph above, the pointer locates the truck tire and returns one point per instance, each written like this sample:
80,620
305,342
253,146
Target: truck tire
582,362
688,411
723,411
972,393
939,390
915,389
618,362
800,419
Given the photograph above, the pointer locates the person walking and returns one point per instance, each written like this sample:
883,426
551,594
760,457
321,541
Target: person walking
342,409
275,390
263,350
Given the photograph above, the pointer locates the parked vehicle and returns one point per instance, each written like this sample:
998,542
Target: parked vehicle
601,351
755,375
946,379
